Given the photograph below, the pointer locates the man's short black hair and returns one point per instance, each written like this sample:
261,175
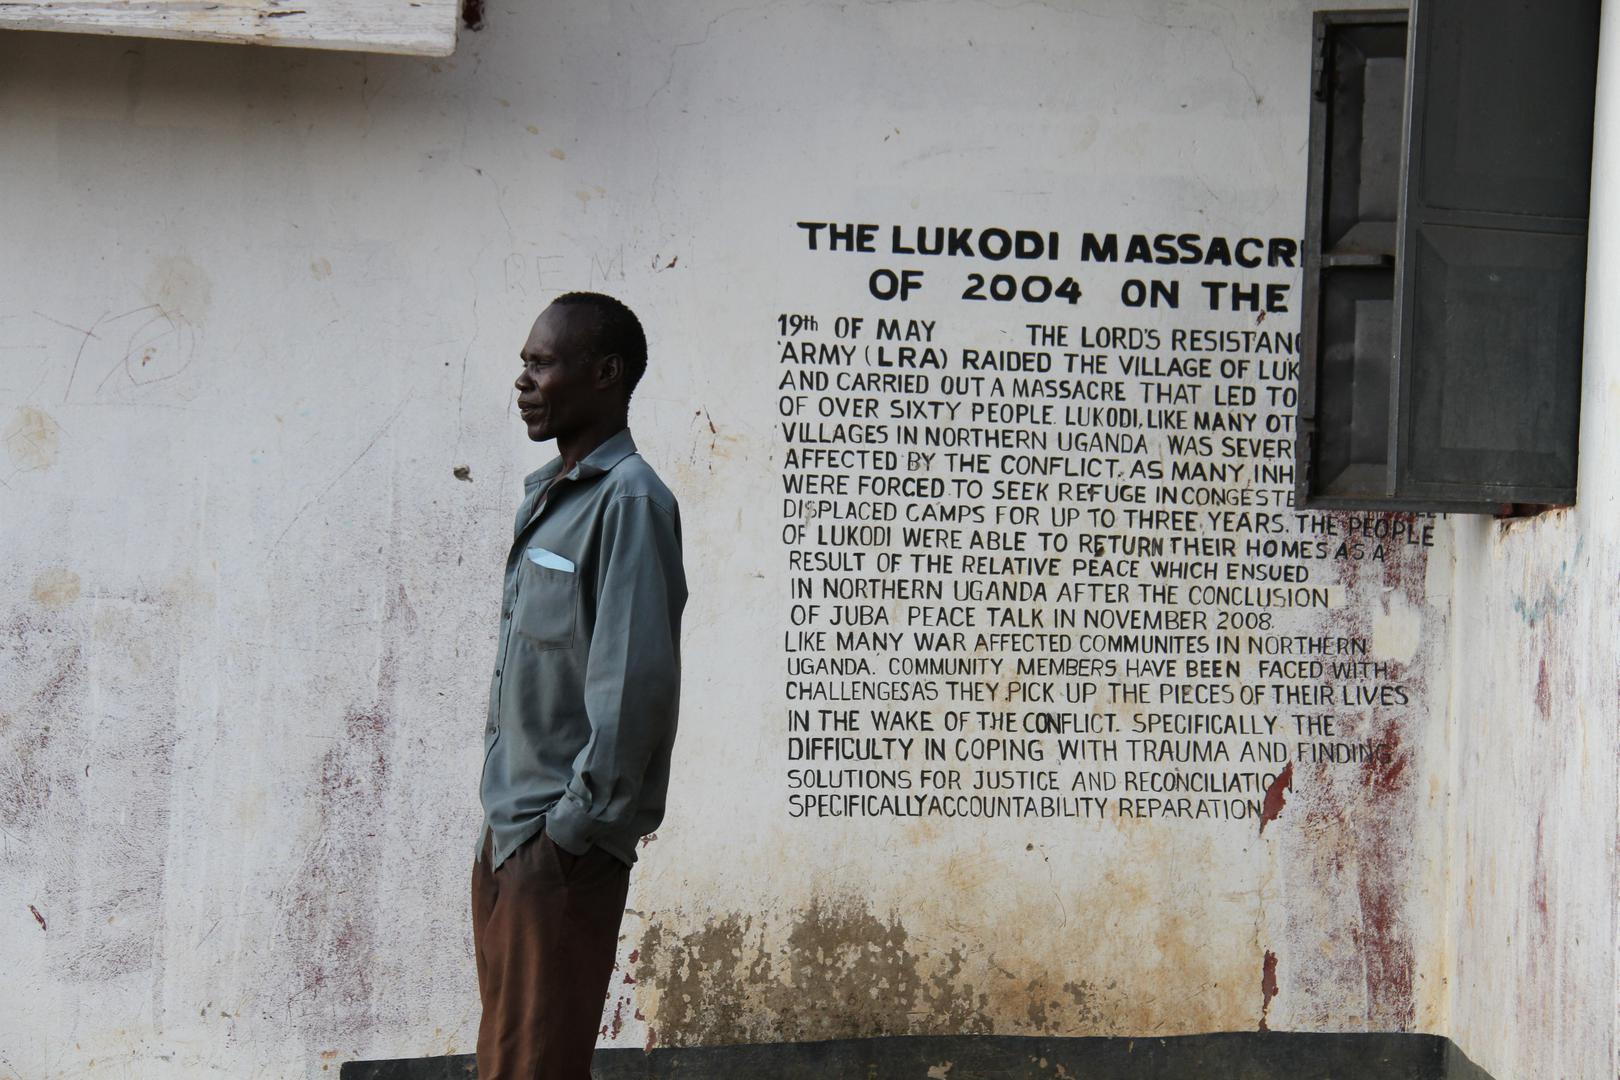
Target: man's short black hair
616,330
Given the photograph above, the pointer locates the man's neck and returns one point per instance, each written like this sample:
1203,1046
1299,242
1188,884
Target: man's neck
574,448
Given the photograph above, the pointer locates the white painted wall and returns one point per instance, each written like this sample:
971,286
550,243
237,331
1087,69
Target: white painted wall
268,301
1534,665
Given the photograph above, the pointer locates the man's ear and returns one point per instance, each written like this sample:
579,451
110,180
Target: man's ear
610,370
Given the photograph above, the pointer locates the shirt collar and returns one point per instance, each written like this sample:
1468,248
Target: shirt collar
595,463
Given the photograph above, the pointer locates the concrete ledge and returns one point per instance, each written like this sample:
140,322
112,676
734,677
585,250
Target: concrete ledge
1225,1056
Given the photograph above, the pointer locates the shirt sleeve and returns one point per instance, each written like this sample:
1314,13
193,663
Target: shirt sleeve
632,673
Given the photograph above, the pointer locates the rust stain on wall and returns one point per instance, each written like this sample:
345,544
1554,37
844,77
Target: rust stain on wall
1383,884
1359,823
1543,692
1538,879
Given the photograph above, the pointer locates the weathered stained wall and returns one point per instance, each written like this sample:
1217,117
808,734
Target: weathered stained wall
270,304
1536,705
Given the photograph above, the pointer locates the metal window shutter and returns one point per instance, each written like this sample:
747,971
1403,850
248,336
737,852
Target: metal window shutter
1492,253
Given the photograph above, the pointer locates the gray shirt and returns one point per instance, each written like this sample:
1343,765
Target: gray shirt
583,703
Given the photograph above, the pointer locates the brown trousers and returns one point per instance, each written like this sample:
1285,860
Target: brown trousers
545,930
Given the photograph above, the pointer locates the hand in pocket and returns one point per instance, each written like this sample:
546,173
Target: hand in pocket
565,859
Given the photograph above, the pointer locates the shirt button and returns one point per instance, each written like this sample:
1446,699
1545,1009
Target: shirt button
497,673
506,614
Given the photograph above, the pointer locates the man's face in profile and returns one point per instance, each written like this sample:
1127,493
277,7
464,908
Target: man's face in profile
559,391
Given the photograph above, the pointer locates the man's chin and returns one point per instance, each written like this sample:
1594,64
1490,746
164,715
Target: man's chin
539,432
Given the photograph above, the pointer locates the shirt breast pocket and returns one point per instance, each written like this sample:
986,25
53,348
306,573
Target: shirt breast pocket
547,605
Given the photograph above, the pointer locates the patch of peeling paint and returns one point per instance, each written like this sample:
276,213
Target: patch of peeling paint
1268,986
1272,807
837,969
841,972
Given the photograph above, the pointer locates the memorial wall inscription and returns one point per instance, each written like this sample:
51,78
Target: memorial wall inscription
1038,540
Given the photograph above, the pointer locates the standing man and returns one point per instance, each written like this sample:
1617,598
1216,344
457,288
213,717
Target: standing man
583,703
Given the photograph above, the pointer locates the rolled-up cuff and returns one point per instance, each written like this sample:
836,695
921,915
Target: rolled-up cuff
569,827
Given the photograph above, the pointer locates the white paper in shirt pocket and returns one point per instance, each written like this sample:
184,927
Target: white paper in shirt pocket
550,560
